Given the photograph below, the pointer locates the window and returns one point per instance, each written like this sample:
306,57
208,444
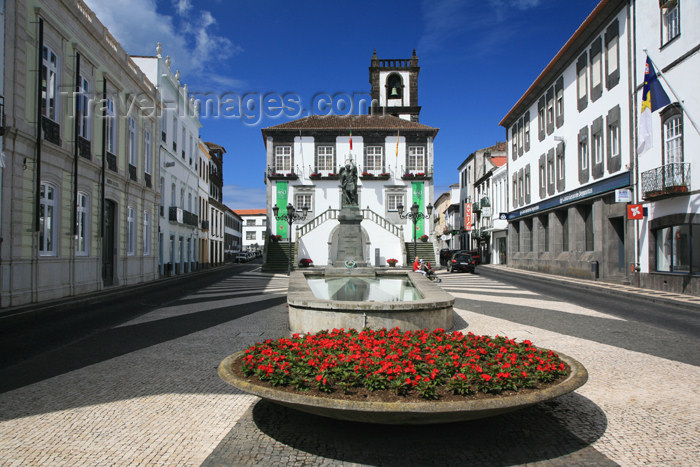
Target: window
541,118
303,200
673,139
374,162
598,148
416,159
514,141
47,220
582,82
173,195
550,111
250,235
147,153
673,248
283,159
83,109
324,160
182,198
191,149
81,247
146,233
614,138
670,20
184,138
174,133
49,84
560,165
527,131
189,202
583,154
612,55
550,172
132,141
543,179
250,222
263,221
164,125
111,126
559,102
131,231
527,185
521,136
393,201
596,70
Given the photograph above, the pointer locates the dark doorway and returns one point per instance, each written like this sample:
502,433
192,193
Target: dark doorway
618,225
108,244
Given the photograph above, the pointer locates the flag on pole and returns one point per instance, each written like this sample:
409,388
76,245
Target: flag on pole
397,143
351,138
653,98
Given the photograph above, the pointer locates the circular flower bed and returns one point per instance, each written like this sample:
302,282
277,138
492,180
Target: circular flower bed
401,365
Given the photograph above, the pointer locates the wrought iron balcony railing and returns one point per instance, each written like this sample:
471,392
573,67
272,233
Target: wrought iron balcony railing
668,180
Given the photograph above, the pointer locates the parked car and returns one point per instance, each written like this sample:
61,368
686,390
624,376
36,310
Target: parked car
461,262
242,257
474,254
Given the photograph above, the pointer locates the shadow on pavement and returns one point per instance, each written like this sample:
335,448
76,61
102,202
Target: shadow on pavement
559,432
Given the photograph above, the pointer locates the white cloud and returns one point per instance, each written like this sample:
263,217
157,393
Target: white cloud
188,37
242,197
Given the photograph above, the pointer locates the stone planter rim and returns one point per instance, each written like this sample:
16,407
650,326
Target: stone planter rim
406,412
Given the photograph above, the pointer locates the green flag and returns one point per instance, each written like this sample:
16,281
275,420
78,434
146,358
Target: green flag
282,205
418,198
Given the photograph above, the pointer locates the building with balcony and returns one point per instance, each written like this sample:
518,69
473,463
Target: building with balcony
668,256
394,160
570,148
233,234
178,154
216,207
79,204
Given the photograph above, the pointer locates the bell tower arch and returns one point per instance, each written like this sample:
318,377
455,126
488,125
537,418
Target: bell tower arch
395,86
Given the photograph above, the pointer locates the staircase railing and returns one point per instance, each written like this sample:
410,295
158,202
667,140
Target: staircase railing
382,222
316,221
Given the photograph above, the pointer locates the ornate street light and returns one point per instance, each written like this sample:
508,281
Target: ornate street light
290,217
414,215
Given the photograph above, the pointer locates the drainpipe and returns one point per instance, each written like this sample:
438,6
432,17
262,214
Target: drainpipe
37,162
76,133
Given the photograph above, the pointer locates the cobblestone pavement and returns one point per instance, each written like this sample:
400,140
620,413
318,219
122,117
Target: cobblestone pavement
163,404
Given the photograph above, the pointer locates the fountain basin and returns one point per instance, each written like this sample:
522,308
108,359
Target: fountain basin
409,413
429,308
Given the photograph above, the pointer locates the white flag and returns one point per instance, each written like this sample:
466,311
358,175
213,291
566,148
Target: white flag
644,142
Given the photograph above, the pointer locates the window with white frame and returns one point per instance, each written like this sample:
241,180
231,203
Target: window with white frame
131,231
527,131
559,98
543,177
49,84
164,125
324,160
283,159
191,149
673,139
582,81
598,148
614,138
612,59
81,244
583,154
111,126
514,141
184,139
250,222
147,152
374,162
394,200
173,195
250,235
540,120
521,135
83,108
560,166
47,220
174,133
596,70
132,141
670,20
146,233
550,172
416,159
550,110
303,200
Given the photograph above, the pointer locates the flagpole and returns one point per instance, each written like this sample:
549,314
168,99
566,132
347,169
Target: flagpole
680,102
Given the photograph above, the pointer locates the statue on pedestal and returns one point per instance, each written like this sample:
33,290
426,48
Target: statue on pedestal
348,181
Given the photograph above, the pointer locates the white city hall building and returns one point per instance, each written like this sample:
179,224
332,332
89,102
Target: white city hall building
394,158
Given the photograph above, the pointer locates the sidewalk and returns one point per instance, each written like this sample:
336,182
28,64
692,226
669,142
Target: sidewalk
690,302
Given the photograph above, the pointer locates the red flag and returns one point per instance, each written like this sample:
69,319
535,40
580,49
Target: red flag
351,139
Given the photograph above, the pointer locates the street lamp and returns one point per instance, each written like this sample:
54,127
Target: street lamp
290,217
414,215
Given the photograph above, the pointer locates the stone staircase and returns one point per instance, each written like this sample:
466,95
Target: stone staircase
424,250
277,257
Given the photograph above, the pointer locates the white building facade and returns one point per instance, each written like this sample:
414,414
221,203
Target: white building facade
79,205
668,174
498,231
254,227
179,155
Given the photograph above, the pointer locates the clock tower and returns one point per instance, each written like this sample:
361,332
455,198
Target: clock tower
395,86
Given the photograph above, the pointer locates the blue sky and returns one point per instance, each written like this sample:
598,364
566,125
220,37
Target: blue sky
476,57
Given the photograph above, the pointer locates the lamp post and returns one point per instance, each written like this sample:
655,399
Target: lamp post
290,217
414,215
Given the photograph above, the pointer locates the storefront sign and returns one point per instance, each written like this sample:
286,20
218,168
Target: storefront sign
635,211
467,216
487,211
589,191
623,195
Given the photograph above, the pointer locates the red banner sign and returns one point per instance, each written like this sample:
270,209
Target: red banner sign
467,216
635,211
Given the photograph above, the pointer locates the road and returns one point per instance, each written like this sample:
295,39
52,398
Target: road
136,384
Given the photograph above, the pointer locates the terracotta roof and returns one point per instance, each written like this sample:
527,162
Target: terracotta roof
498,147
498,161
356,122
250,212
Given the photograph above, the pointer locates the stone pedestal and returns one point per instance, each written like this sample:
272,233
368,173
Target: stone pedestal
350,238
